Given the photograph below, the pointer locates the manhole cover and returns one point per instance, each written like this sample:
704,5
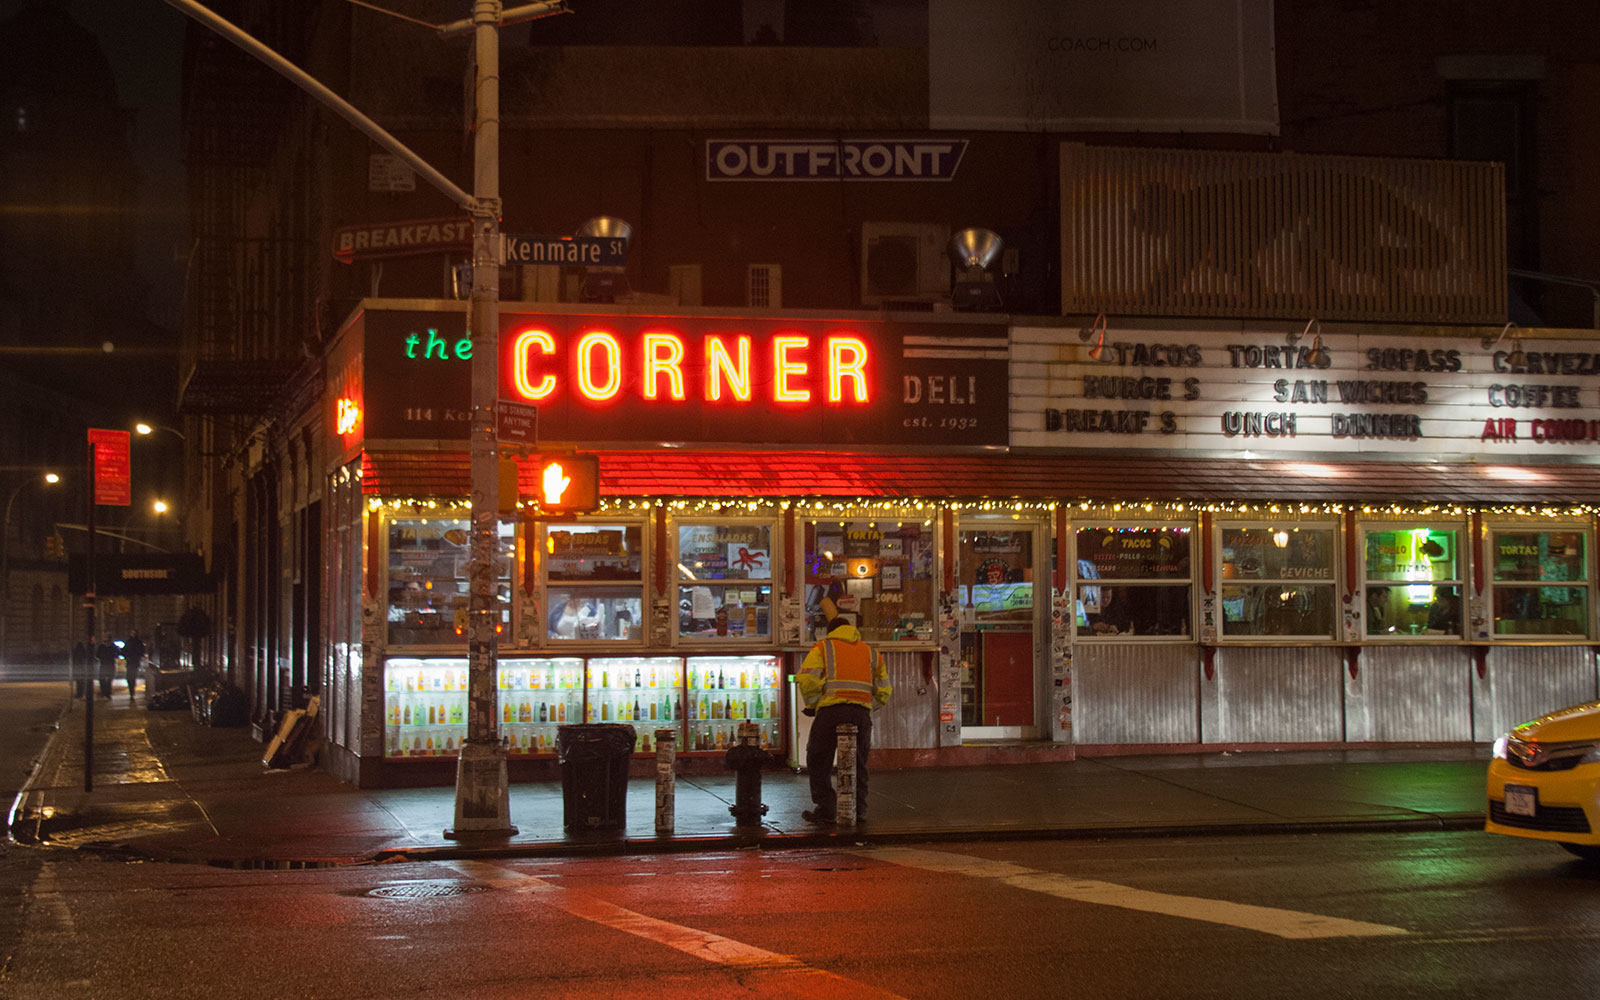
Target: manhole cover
424,890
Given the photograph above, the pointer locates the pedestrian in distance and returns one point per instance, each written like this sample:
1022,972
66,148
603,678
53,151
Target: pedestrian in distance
82,670
842,681
106,653
133,652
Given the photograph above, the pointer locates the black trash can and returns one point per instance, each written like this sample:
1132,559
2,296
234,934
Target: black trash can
594,775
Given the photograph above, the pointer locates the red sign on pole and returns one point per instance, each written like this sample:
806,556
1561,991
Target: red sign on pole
113,478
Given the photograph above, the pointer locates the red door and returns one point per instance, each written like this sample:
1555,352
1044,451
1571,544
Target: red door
1007,679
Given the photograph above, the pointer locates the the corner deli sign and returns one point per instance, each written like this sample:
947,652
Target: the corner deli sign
833,159
609,378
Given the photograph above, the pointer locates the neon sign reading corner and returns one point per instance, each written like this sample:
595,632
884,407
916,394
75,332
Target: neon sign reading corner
662,365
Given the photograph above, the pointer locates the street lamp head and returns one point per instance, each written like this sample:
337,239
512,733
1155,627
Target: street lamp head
146,429
52,478
160,507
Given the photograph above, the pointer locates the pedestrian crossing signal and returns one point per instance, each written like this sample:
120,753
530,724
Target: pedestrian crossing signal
568,484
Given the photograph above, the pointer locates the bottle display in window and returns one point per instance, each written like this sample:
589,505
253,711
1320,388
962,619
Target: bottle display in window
425,707
646,691
724,691
533,697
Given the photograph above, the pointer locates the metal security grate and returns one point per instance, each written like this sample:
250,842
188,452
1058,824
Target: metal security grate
1552,819
424,890
1212,233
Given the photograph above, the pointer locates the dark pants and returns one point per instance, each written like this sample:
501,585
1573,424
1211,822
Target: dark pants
105,683
133,680
820,750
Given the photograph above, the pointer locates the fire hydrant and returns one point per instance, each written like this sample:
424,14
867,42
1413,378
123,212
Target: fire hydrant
746,758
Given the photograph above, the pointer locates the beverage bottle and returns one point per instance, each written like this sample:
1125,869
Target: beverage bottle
705,706
761,712
694,677
677,708
635,714
544,715
605,679
652,676
408,715
744,679
721,680
505,712
605,711
636,677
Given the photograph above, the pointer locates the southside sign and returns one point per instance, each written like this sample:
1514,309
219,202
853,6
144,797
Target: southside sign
619,379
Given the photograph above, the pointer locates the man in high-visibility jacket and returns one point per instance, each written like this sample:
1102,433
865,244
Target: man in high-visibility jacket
843,680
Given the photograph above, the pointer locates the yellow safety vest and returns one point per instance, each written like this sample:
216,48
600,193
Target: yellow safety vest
843,669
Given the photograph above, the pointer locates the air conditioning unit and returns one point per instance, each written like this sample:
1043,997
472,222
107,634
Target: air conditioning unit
904,262
764,286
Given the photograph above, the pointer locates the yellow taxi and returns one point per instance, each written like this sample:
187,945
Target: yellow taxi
1544,781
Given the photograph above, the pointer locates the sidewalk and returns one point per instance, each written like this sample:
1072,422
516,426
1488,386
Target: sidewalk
166,787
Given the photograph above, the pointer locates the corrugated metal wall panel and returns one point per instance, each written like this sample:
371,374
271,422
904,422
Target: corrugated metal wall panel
910,720
1525,682
1134,694
1283,694
1213,233
1410,693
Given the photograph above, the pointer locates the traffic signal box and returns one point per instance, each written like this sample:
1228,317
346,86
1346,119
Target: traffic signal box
567,483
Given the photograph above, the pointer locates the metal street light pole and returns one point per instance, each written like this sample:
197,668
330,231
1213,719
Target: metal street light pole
482,793
482,801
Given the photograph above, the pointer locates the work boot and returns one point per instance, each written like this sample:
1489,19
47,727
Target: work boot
816,817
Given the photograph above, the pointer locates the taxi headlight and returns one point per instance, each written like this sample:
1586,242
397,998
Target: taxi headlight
1592,757
1500,747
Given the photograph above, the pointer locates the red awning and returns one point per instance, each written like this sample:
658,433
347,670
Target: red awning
674,473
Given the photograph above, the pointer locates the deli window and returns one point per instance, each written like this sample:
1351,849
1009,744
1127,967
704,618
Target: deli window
1540,582
1133,581
1413,581
594,575
878,573
428,588
1277,581
724,581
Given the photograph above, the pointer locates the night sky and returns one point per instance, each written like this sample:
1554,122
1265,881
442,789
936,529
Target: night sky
143,40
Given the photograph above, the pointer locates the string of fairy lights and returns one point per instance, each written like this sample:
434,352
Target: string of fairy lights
903,509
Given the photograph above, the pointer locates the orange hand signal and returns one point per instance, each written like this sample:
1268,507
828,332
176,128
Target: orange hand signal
556,482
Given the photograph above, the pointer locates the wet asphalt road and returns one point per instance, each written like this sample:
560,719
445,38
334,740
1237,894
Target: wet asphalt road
1348,915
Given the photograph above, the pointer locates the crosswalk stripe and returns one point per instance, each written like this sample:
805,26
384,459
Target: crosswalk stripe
801,980
1265,919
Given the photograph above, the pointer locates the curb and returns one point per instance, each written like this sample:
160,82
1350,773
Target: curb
19,814
1449,823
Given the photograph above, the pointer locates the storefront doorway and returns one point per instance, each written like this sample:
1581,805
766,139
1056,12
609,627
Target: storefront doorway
996,589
